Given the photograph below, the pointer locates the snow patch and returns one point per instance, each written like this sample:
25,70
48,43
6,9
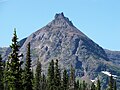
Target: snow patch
109,74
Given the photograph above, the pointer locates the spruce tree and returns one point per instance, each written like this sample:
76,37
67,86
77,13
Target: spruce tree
5,76
1,73
115,86
98,85
80,86
65,80
27,78
57,76
93,86
77,85
33,78
84,86
38,76
50,76
111,82
14,70
43,82
72,79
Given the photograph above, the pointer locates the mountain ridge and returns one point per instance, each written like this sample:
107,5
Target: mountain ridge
61,40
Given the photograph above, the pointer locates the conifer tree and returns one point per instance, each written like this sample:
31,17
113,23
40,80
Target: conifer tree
33,78
65,80
38,76
111,81
14,70
5,80
72,79
93,86
1,73
80,86
115,86
84,86
44,83
27,78
50,77
57,76
77,85
98,85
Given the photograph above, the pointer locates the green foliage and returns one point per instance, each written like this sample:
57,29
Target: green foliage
98,85
93,86
50,76
44,82
77,85
57,76
1,73
72,79
84,85
37,84
114,87
27,78
65,80
111,82
14,70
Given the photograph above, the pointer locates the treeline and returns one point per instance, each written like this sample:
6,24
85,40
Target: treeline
15,77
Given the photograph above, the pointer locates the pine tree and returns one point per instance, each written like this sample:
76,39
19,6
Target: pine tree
44,83
27,78
77,85
98,85
50,77
115,86
14,70
33,78
57,76
80,86
5,76
93,86
84,86
38,77
72,79
111,82
65,80
1,73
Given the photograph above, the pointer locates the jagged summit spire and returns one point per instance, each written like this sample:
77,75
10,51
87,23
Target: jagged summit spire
61,21
60,15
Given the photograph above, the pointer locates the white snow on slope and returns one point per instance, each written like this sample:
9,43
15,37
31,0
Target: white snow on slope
109,74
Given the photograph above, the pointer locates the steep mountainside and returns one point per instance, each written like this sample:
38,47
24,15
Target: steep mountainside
61,40
113,56
3,50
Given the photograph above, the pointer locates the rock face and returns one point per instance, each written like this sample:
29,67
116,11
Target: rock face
61,40
3,50
113,56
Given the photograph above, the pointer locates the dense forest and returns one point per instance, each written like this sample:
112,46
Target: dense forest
18,75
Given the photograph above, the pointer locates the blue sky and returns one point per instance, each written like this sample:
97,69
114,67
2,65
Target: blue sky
98,19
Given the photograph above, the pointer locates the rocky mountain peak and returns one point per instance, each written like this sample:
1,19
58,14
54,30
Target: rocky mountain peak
59,16
61,21
61,40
